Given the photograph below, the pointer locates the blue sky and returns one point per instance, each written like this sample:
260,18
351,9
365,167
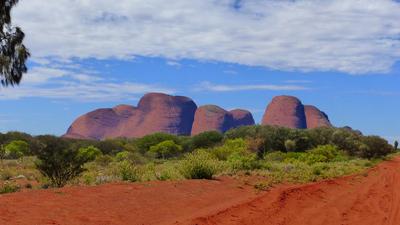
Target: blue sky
342,56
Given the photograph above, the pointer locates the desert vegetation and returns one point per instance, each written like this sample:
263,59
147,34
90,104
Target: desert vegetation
274,153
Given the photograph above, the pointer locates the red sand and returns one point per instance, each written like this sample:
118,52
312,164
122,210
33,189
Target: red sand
147,203
372,199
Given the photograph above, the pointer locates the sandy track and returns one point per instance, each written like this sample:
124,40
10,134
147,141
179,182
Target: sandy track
369,199
147,203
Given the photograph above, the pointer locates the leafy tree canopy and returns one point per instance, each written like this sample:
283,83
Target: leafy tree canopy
13,53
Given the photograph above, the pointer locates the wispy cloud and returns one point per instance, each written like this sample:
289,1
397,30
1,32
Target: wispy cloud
98,92
207,86
67,84
174,63
349,36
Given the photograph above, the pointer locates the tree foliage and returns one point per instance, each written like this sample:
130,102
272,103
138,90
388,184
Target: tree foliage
2,153
143,144
13,53
60,161
166,149
352,142
90,152
290,145
199,165
16,149
206,140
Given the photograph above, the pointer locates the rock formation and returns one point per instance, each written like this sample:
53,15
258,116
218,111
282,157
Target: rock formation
316,118
285,111
212,117
179,115
242,118
156,112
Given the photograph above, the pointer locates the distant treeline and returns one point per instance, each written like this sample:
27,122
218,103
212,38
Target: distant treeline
259,139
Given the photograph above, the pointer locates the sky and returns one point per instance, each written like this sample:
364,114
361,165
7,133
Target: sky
342,56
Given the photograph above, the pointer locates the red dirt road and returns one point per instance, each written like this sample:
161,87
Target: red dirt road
370,199
147,203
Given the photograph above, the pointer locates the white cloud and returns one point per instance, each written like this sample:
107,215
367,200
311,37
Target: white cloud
207,86
353,36
98,92
43,74
72,84
174,63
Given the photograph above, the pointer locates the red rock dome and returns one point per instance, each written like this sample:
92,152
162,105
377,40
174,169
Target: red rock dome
165,113
211,117
94,125
242,118
316,118
156,112
285,111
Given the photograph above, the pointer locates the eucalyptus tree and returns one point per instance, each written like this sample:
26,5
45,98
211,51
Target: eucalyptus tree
13,53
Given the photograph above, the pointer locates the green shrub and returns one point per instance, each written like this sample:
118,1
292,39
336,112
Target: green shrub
243,162
129,172
235,146
5,174
167,171
109,146
123,156
323,153
16,149
90,153
199,165
374,147
166,149
132,157
59,161
310,158
290,145
290,157
275,156
256,145
2,153
143,144
104,160
8,187
206,140
330,152
164,175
